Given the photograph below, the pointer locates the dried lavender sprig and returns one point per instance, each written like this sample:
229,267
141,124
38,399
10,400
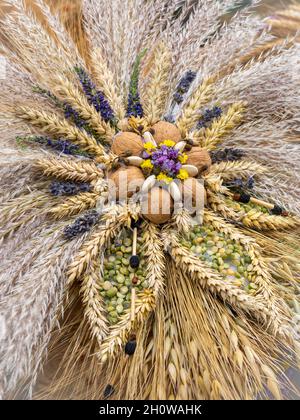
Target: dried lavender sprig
58,188
94,96
183,86
82,224
60,145
239,184
227,155
134,106
69,112
208,116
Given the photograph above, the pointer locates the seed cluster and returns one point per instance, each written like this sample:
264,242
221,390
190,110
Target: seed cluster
118,276
222,254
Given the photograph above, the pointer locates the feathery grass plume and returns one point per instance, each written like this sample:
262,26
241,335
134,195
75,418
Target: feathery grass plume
153,251
221,127
75,205
58,127
104,80
92,301
72,169
155,91
190,113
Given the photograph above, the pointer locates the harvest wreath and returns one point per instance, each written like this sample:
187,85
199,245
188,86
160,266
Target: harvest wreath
158,251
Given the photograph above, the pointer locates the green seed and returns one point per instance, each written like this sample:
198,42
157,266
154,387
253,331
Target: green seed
119,309
125,261
124,290
112,258
107,285
112,292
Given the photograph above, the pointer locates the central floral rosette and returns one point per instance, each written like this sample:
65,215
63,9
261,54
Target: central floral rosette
164,161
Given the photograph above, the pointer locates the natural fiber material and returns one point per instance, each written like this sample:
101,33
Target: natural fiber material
100,297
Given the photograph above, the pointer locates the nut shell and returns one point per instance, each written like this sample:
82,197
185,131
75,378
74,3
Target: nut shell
193,193
124,182
164,130
157,206
125,142
200,158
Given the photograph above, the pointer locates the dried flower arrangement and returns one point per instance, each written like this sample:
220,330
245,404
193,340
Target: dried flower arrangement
129,302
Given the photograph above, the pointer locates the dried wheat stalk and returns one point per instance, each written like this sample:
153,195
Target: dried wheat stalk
75,205
190,112
222,126
261,221
112,223
145,304
92,301
104,79
230,170
66,91
155,92
56,126
153,252
69,169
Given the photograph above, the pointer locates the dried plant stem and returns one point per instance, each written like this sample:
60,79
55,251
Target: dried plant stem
155,92
153,252
75,170
104,79
222,126
60,127
92,301
66,91
190,113
75,205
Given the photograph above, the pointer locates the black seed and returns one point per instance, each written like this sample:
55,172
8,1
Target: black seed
244,198
130,347
134,261
108,392
136,223
277,210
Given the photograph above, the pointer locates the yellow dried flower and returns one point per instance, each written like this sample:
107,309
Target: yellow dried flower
149,147
147,164
183,158
163,177
169,143
183,174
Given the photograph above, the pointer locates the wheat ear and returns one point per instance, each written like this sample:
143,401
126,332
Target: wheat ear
71,94
60,127
221,127
262,221
75,205
230,170
156,90
105,82
75,170
190,113
153,252
118,335
113,221
92,301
